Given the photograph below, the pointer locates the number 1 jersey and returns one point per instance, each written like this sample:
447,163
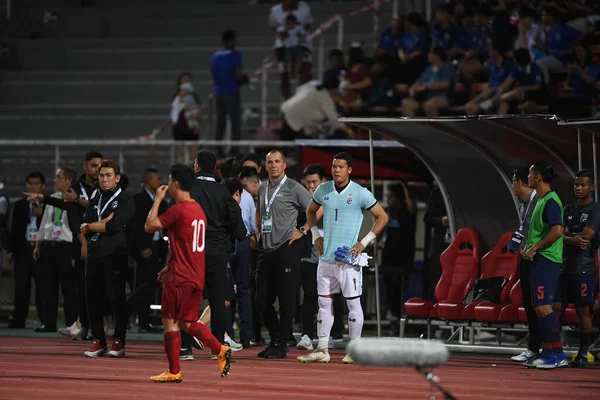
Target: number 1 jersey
186,222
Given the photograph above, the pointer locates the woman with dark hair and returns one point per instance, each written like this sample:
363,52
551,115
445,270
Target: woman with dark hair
356,82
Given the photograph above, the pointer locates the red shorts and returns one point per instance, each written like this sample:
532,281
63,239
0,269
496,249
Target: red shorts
180,303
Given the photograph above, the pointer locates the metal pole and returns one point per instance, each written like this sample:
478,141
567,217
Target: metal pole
375,22
321,57
121,159
264,96
579,155
8,9
595,160
375,261
56,157
394,9
428,10
340,38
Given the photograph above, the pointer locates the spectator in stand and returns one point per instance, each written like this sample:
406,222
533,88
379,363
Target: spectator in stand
560,39
582,81
303,114
413,51
528,81
226,67
184,117
500,68
483,16
356,82
295,39
24,226
432,91
336,65
469,48
444,32
277,16
390,42
531,35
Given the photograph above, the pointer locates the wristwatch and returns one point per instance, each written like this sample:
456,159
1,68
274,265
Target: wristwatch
303,231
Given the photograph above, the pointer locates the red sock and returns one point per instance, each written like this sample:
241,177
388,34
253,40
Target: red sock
172,345
202,332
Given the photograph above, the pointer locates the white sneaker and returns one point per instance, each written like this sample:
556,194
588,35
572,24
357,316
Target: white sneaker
305,343
331,344
70,331
347,360
232,343
318,356
524,356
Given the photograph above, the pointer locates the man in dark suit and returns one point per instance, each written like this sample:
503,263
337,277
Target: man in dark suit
148,250
23,235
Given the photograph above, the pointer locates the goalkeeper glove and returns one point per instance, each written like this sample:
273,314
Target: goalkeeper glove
342,256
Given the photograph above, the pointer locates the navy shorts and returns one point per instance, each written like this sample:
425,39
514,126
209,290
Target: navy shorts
576,288
544,281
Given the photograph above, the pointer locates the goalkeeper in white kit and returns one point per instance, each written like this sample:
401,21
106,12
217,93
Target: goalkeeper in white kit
341,261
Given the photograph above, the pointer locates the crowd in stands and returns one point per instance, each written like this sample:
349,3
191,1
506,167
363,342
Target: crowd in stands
477,57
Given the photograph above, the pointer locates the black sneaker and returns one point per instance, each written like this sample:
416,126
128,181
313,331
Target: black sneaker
44,328
197,343
265,350
277,350
186,354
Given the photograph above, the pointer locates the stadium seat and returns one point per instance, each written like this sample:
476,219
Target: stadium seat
510,312
497,262
460,266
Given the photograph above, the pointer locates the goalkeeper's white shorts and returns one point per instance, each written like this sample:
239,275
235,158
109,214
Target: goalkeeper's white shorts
333,278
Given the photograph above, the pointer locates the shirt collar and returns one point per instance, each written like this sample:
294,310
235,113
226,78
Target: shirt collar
110,192
276,182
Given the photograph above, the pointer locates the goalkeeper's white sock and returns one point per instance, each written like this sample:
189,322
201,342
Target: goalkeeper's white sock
356,318
324,322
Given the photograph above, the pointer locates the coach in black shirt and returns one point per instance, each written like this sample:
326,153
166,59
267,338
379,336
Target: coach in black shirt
224,218
105,222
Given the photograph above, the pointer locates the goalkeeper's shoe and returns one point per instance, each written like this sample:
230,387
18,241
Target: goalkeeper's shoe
318,356
347,360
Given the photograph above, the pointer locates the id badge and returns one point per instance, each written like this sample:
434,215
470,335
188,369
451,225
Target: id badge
95,238
515,241
32,234
267,223
56,230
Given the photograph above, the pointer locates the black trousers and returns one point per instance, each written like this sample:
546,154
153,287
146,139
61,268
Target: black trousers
81,302
146,284
105,277
218,289
57,264
256,321
535,340
240,267
25,268
278,277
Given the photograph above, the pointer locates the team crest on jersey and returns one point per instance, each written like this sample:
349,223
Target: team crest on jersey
114,204
349,200
583,218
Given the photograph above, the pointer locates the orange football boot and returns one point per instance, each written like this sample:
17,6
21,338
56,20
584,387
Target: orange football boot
167,376
224,359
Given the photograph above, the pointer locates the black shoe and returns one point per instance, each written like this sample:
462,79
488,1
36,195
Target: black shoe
12,324
257,342
148,328
265,350
186,354
277,350
245,344
44,328
292,342
82,334
197,343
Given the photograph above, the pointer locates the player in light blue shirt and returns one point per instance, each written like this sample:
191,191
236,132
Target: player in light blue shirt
343,202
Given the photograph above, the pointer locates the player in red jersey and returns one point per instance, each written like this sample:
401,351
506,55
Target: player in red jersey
183,277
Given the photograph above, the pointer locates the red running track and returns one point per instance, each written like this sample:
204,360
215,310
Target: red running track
33,368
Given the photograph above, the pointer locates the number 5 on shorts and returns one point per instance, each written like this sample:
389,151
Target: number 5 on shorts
540,292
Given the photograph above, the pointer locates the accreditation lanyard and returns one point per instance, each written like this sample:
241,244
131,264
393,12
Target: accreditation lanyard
269,203
84,193
101,211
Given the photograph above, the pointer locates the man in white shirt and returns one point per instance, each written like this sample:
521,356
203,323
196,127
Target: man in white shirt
277,16
311,111
531,35
54,250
